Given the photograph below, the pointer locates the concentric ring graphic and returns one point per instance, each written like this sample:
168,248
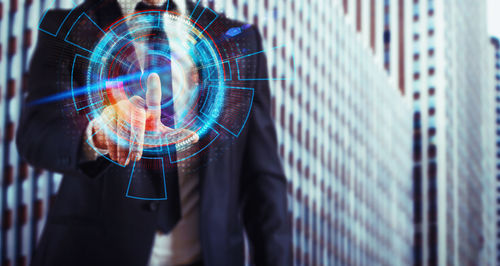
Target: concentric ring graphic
207,70
188,54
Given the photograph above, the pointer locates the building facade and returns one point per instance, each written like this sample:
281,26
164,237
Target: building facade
453,132
437,53
442,53
343,122
496,87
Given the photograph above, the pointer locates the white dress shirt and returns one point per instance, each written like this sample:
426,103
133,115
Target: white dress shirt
182,245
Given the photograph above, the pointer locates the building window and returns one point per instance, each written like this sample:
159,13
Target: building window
416,76
432,111
416,95
432,132
432,70
431,5
387,36
431,52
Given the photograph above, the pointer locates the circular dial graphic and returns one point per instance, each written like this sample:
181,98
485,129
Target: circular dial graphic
173,47
206,68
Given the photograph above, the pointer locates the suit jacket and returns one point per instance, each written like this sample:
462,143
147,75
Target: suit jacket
242,185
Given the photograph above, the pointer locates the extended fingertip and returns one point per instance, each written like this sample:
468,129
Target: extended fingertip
153,93
153,79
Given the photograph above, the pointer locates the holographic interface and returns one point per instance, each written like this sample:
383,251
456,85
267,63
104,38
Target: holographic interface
119,59
203,67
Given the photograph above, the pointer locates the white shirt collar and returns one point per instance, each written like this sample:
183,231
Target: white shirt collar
128,6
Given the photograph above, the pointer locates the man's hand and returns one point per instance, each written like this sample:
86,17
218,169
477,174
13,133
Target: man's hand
128,119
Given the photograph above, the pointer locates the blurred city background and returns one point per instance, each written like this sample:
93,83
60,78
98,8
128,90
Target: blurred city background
389,132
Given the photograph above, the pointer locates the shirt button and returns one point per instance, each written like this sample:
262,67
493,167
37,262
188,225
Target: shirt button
153,206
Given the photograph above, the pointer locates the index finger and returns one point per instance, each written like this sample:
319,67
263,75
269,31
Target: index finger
153,93
153,100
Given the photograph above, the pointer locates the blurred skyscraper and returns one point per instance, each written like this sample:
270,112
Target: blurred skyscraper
371,77
343,129
496,86
437,51
453,132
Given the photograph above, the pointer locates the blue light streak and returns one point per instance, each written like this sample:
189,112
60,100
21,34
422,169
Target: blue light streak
91,88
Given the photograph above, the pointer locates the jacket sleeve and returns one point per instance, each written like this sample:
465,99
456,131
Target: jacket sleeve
50,135
264,185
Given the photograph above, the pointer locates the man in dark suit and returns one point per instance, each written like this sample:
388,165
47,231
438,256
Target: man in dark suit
240,187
